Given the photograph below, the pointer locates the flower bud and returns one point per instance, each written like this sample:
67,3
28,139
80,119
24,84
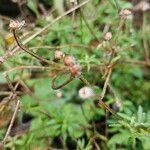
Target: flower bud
108,36
69,60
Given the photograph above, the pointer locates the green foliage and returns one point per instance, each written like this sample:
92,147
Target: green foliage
33,6
132,131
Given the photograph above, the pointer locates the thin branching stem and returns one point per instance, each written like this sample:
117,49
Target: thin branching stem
55,86
12,121
28,51
100,98
16,109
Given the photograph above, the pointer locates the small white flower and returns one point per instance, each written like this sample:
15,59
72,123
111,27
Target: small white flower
86,92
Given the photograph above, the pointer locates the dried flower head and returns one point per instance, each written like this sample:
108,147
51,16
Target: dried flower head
15,24
124,13
108,36
75,70
69,60
59,55
86,92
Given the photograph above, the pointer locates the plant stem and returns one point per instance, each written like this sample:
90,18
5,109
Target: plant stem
28,51
56,87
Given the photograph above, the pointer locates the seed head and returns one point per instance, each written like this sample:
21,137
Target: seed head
124,13
15,24
59,55
108,36
86,92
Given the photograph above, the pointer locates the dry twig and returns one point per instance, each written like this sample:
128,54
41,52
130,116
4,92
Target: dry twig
15,112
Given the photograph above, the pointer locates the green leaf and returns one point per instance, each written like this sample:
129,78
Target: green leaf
140,115
75,131
33,6
120,138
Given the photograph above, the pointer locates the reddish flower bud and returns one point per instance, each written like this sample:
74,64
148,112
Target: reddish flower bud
75,70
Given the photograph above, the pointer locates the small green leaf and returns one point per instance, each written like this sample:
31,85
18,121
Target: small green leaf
33,6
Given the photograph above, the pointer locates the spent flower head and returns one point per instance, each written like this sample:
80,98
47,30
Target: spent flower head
108,36
124,13
15,24
86,92
59,55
